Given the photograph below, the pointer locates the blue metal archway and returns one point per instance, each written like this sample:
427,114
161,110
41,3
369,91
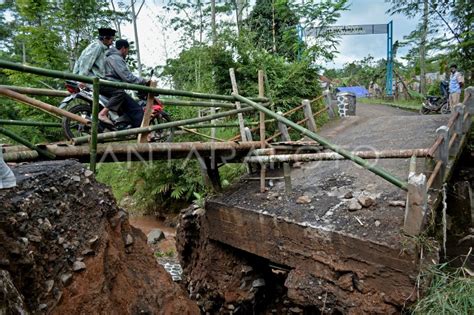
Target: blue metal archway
364,29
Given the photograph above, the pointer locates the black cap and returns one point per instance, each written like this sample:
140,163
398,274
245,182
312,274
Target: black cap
108,32
453,66
122,43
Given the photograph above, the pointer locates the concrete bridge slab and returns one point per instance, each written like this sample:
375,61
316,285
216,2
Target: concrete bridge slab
341,224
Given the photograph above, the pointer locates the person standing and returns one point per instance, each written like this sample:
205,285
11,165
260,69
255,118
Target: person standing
456,82
116,69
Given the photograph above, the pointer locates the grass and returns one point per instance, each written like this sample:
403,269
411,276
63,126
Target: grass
450,292
159,254
414,104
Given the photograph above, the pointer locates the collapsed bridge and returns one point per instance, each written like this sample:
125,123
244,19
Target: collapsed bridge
348,236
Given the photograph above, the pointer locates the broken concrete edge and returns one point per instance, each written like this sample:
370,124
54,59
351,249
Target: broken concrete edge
325,253
416,205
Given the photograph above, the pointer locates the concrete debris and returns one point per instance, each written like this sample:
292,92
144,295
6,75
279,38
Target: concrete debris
66,278
303,199
354,205
397,203
377,223
258,283
272,195
78,266
49,285
366,201
348,195
88,173
128,240
199,212
155,236
76,178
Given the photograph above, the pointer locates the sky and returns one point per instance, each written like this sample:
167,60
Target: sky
156,44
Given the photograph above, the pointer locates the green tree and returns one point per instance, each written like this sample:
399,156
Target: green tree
412,9
273,24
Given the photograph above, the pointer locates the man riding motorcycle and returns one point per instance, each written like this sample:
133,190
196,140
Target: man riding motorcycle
116,69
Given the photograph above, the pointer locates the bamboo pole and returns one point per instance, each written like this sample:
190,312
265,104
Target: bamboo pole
203,126
135,131
240,117
261,93
201,134
36,91
121,85
125,151
26,143
28,123
95,124
330,156
376,170
43,106
142,137
291,111
174,102
298,123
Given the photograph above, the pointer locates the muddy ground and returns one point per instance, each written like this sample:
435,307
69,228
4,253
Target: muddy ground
66,248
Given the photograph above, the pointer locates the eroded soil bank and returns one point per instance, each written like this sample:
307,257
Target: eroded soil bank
66,248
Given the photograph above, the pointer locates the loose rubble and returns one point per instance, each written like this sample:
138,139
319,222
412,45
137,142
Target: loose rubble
69,249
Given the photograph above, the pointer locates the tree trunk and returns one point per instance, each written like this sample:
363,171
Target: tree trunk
134,19
213,22
116,20
239,9
424,34
273,27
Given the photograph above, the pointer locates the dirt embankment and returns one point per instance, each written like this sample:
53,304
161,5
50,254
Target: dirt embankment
68,249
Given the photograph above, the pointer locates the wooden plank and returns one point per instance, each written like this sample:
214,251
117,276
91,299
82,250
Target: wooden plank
142,138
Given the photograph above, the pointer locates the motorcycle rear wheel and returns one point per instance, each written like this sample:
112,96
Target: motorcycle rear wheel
72,128
445,109
162,135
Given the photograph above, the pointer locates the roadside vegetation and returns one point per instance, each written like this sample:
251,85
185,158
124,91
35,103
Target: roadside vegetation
451,292
414,104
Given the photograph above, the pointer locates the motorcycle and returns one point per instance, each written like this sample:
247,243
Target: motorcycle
437,104
80,103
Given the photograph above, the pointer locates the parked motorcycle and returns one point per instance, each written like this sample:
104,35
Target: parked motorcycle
80,103
437,104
